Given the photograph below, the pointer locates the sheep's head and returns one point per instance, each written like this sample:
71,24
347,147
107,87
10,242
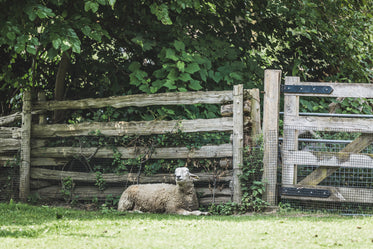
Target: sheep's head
182,174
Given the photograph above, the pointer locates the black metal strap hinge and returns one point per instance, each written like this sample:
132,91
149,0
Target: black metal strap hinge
306,89
306,192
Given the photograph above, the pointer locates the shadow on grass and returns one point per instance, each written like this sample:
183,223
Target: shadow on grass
19,233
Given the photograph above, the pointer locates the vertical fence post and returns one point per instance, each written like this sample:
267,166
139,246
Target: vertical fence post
272,82
24,174
42,98
237,141
256,128
291,109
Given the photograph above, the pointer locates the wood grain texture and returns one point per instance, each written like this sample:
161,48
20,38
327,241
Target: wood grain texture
208,151
329,124
237,141
10,132
10,118
140,100
291,110
127,178
24,174
330,159
353,90
122,128
272,81
9,144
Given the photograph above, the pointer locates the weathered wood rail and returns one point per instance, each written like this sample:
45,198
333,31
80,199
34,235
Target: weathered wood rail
43,167
327,162
10,144
10,138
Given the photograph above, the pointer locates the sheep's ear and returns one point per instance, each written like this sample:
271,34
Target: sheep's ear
193,176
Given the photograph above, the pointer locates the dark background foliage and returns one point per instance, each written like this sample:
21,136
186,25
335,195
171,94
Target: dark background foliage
100,48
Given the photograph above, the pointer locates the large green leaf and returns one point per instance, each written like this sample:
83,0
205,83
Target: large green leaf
161,11
56,43
170,54
192,68
31,49
195,85
170,84
89,5
134,66
179,45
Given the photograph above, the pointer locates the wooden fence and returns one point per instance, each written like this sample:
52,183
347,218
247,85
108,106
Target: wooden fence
326,162
41,174
10,137
10,143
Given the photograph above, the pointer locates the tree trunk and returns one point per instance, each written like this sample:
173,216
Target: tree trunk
59,90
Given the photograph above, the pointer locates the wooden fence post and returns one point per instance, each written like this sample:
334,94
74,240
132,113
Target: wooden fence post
272,82
24,174
42,117
256,128
291,109
237,141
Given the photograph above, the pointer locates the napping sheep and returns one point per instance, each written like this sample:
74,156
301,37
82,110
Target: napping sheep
163,198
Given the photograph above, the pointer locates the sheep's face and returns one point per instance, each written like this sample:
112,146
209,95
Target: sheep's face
182,174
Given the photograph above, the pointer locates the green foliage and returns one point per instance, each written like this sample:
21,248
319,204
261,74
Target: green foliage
186,45
33,198
355,106
110,205
323,41
224,209
345,106
67,188
100,181
252,185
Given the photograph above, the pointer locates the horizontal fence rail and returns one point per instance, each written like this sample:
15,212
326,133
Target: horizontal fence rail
211,151
122,128
329,123
330,159
140,100
360,90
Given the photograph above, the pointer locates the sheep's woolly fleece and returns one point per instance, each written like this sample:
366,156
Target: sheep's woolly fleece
163,198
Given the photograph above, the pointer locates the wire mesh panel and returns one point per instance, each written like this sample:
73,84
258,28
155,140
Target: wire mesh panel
327,175
9,177
9,157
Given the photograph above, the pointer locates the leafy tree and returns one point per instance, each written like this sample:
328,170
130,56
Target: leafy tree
323,40
100,48
36,36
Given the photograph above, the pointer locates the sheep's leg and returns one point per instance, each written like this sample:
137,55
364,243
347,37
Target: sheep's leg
125,202
195,212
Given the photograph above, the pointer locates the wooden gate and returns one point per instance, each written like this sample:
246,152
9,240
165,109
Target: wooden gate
325,163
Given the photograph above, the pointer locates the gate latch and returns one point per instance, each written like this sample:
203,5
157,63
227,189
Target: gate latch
306,192
306,89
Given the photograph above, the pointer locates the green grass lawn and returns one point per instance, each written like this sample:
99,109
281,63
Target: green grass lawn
25,226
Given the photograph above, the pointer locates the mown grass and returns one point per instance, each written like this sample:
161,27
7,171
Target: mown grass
25,226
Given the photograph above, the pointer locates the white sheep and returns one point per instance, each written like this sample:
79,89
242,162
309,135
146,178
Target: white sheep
163,198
